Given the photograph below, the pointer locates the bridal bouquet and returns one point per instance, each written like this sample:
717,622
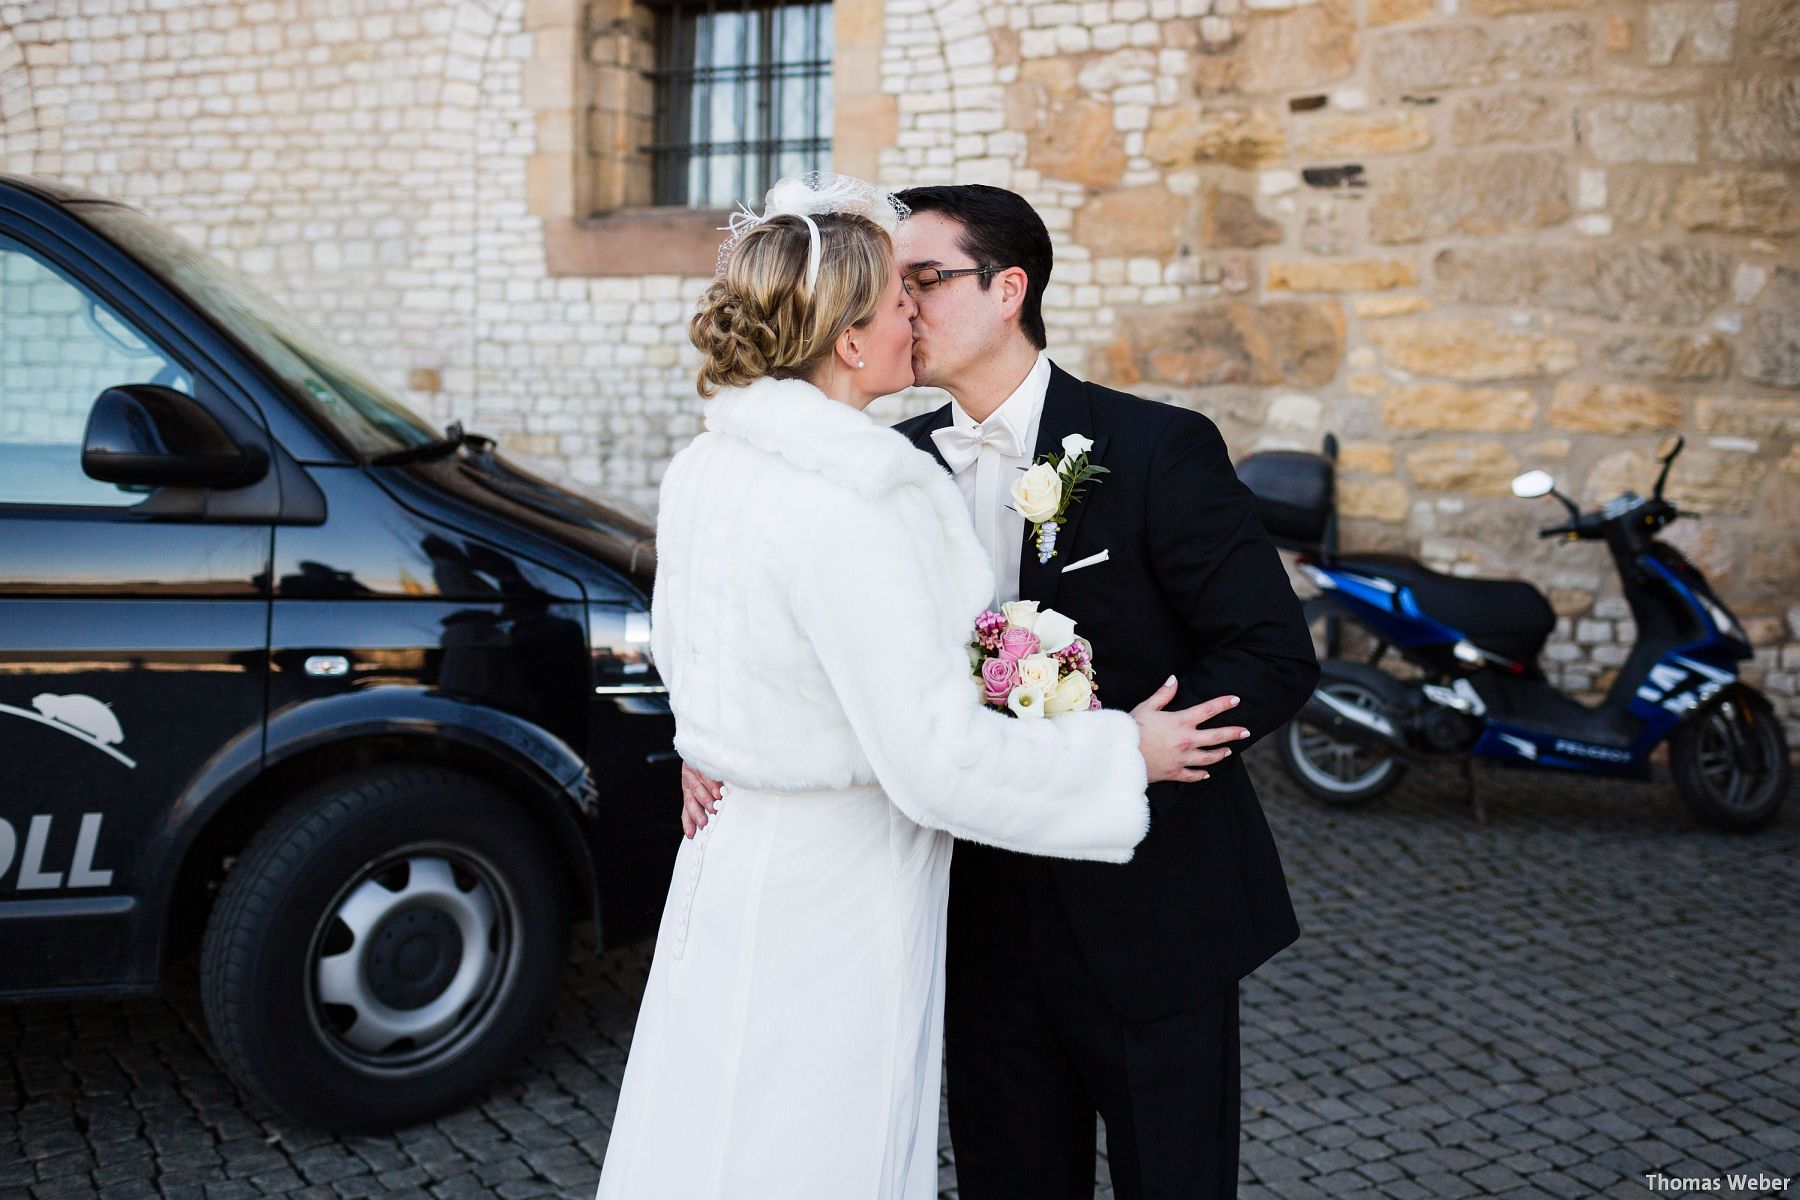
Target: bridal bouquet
1030,663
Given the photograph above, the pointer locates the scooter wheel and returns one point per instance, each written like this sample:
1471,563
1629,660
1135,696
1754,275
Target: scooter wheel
1731,763
1341,774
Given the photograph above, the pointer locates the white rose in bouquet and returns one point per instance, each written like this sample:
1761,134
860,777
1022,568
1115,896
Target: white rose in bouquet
1071,695
1022,613
1038,672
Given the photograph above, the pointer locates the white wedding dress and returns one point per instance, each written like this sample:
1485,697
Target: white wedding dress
817,582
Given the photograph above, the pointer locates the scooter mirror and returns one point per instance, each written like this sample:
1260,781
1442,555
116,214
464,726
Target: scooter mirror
1533,484
1669,447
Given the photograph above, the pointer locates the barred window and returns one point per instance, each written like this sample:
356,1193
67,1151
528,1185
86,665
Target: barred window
743,98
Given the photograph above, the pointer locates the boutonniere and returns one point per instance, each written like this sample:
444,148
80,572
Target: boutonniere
1047,489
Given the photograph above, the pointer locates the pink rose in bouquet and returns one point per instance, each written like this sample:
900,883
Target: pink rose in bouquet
1017,642
999,675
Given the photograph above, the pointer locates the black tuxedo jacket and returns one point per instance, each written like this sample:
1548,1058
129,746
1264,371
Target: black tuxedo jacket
1192,587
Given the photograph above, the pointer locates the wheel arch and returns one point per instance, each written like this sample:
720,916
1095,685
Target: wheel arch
314,740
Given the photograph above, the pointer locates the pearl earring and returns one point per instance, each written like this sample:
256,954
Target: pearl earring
860,364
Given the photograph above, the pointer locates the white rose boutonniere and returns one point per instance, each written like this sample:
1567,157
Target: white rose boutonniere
1037,494
1043,494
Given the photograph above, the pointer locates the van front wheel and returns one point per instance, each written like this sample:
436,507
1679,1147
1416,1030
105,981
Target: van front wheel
386,946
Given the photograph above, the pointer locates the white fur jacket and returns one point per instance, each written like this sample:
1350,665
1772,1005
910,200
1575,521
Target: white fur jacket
817,585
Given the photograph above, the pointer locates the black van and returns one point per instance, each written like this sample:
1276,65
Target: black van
362,707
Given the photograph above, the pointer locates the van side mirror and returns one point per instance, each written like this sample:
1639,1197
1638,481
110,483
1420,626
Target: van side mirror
1533,484
142,433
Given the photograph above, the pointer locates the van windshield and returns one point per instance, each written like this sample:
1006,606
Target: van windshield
367,417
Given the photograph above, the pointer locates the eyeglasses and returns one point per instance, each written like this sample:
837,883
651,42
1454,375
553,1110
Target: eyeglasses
926,278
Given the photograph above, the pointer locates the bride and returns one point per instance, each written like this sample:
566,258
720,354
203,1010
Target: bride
817,583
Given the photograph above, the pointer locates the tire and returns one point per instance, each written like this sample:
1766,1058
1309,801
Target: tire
1731,762
385,947
1342,774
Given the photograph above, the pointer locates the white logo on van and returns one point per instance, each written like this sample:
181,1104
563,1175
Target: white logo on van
81,717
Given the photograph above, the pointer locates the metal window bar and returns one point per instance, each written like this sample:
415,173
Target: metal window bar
742,98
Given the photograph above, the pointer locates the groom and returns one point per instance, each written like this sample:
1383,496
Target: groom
1077,988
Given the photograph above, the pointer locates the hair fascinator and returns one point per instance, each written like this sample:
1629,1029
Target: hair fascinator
809,195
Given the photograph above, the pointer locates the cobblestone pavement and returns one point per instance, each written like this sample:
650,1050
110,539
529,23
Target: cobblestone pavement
1590,989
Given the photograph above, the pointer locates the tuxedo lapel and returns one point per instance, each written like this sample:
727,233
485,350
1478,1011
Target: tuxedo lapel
1066,411
921,437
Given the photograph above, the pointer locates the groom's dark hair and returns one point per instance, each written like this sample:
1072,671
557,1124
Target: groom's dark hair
1000,229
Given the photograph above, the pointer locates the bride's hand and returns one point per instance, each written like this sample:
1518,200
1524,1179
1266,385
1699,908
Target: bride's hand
1173,744
699,799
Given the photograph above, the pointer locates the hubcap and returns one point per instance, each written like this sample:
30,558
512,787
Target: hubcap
410,958
1736,758
1333,765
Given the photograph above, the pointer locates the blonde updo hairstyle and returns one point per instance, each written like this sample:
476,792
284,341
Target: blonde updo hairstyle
758,319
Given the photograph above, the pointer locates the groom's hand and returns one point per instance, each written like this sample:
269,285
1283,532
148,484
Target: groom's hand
1173,744
699,799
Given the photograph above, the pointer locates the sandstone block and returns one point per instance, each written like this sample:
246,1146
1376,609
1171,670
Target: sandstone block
1389,306
1340,275
1182,136
1468,349
1774,28
1655,283
1446,56
1667,356
1353,135
1506,192
1377,458
1770,351
1372,500
1230,219
1074,139
1650,131
1445,406
1295,343
1719,482
1756,119
1612,408
1752,202
1705,26
1133,221
1510,116
1392,12
1301,48
1750,417
1506,8
1478,468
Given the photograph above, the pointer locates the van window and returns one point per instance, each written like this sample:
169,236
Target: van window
60,347
369,418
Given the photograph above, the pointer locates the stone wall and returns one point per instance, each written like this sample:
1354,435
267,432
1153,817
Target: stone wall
1468,236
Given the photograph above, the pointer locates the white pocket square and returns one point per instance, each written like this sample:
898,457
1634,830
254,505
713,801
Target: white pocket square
1089,561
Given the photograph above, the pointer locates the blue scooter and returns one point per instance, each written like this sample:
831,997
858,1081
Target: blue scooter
1475,689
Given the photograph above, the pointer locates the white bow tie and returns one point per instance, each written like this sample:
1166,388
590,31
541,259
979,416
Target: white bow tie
961,444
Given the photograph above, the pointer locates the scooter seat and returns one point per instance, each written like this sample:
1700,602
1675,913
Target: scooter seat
1507,616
